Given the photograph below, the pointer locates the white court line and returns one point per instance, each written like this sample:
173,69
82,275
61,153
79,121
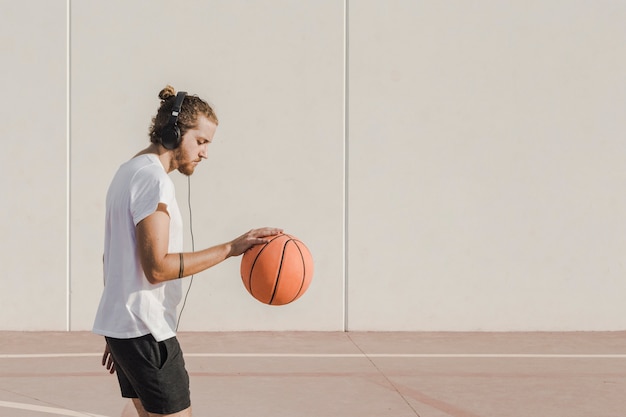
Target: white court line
345,355
400,355
48,355
49,410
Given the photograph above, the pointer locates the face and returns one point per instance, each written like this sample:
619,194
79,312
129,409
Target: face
193,147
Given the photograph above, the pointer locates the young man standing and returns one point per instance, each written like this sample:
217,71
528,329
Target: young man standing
144,259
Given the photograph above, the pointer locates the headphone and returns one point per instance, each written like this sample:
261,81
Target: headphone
170,135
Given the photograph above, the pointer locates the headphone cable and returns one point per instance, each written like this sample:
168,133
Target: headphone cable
193,247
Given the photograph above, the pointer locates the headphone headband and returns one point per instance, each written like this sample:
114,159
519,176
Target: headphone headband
171,133
177,105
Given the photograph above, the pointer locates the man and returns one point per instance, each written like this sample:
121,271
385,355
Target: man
144,259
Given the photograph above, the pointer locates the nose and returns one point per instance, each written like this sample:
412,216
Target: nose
203,151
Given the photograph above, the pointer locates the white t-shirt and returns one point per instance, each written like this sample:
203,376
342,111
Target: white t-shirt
130,306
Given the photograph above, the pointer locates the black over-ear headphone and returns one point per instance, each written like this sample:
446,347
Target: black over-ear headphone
170,135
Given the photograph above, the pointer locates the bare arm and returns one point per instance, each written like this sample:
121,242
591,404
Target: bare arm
160,266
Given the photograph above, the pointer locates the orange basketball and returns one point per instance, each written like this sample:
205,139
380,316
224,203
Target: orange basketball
279,271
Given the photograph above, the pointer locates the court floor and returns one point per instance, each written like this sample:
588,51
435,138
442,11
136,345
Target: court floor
335,374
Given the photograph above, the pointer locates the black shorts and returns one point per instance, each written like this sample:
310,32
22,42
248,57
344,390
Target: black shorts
152,371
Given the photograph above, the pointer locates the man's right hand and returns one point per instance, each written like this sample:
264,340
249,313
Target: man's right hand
252,238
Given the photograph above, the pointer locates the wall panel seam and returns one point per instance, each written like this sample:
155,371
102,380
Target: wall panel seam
345,167
68,200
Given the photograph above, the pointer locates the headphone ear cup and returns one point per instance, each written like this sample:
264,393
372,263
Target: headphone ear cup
170,138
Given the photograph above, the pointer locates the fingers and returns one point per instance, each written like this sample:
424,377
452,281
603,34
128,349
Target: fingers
260,236
105,355
107,360
111,366
250,239
265,232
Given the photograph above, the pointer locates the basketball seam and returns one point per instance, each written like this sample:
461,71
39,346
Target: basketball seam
295,241
254,263
280,267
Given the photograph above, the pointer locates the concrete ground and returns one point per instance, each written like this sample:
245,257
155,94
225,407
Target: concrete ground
334,374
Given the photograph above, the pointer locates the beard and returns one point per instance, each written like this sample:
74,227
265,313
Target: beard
186,170
184,167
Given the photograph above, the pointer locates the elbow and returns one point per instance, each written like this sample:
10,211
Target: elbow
155,276
155,269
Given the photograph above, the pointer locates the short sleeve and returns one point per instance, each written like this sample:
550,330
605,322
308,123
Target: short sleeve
150,186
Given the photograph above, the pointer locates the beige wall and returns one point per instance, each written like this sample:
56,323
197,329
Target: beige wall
33,251
482,173
487,165
273,71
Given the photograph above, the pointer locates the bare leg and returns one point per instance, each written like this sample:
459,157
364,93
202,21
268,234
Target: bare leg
134,408
137,410
129,410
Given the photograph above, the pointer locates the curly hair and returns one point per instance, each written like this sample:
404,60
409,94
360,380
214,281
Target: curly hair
192,107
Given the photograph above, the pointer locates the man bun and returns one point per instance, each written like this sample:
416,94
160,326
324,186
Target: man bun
167,92
191,108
